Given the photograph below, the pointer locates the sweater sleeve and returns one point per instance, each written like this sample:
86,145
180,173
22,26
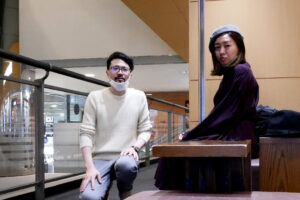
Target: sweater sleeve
88,127
242,95
144,124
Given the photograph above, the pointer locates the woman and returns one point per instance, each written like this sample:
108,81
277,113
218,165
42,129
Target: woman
234,112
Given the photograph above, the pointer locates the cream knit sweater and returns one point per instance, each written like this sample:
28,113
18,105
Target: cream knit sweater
113,123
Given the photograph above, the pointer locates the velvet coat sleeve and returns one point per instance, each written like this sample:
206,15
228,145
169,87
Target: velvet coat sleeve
235,101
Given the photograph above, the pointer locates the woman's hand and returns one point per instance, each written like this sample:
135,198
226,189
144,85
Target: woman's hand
180,137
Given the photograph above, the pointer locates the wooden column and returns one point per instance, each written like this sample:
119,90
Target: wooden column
194,62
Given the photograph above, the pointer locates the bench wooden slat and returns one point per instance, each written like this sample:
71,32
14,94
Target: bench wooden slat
210,152
177,195
205,148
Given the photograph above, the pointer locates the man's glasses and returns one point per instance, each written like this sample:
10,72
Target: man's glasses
119,68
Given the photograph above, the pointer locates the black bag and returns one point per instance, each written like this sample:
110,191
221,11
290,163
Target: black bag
274,123
263,115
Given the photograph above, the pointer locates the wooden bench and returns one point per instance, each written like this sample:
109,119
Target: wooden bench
177,195
279,164
224,151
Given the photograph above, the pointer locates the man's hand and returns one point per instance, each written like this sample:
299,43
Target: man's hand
130,152
90,176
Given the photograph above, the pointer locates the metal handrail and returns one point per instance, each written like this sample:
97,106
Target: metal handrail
62,71
40,180
49,67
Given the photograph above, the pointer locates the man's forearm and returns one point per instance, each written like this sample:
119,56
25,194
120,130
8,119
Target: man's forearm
140,143
87,157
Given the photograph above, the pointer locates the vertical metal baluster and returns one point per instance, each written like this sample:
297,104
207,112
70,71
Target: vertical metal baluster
169,126
39,140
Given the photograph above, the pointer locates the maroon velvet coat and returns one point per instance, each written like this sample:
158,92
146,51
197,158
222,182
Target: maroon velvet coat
232,117
234,114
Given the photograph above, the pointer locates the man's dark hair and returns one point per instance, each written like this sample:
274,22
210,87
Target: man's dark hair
122,56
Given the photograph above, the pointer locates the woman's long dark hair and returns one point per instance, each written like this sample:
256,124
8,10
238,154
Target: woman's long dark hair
241,57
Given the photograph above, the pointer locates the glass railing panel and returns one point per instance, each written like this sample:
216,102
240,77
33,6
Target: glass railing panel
179,125
159,120
63,114
17,134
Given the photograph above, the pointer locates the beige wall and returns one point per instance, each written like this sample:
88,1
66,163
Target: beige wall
271,30
71,29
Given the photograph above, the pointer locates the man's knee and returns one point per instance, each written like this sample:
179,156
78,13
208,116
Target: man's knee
92,195
87,196
126,164
126,169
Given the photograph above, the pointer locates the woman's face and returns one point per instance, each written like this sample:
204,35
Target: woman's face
226,49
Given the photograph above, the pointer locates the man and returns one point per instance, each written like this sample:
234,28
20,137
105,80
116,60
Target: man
116,126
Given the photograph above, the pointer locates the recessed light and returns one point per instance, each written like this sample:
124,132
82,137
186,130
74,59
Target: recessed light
90,75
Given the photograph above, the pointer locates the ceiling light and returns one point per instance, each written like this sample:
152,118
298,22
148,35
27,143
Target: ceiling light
8,70
90,75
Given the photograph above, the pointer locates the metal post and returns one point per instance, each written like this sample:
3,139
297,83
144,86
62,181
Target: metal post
201,62
68,108
147,148
184,121
169,126
39,141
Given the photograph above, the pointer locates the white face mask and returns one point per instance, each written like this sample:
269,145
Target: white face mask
120,87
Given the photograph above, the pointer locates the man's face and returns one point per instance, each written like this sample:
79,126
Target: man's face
118,71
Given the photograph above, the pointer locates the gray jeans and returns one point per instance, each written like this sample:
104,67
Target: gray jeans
123,169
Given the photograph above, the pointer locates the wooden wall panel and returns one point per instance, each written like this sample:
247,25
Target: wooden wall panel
193,41
16,73
194,101
280,93
175,97
168,19
211,88
193,63
271,33
279,164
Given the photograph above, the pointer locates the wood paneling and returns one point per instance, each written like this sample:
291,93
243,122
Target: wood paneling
270,29
270,32
16,73
210,153
279,164
193,124
183,195
204,148
168,19
193,41
282,93
174,97
194,101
